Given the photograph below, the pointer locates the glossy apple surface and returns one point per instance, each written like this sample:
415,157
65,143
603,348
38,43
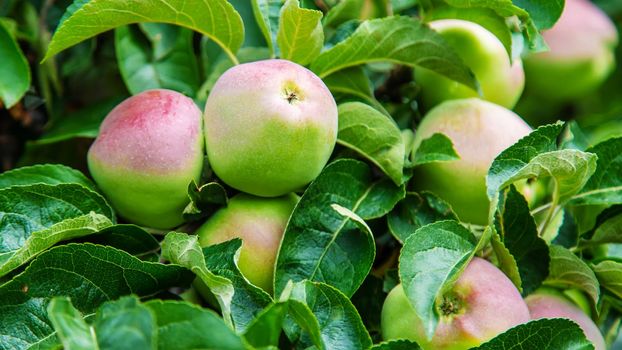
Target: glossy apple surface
482,304
501,81
149,149
270,127
260,223
479,131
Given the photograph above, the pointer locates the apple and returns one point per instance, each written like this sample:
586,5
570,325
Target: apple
501,81
149,149
260,223
581,54
482,304
549,303
270,127
479,131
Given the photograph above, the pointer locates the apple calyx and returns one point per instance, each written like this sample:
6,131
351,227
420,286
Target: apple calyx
451,305
292,93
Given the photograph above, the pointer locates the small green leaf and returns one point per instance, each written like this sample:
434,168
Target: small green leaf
436,148
518,233
446,246
300,36
319,243
340,324
543,13
73,331
374,135
566,270
142,69
415,211
267,13
51,174
41,240
609,274
605,186
182,326
216,19
399,40
14,70
401,344
351,81
185,250
248,300
204,200
544,334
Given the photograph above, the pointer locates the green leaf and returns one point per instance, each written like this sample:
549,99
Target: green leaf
351,81
436,148
248,300
204,200
415,211
300,36
340,324
41,240
185,250
605,186
374,135
182,325
609,274
51,174
566,270
400,344
430,261
14,70
129,238
485,17
518,233
544,334
607,228
543,13
143,67
73,331
395,39
86,273
124,323
216,19
321,244
267,14
27,209
82,123
348,10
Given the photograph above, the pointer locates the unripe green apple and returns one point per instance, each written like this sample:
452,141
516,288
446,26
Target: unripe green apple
479,131
482,304
547,303
581,54
501,81
149,149
270,127
260,223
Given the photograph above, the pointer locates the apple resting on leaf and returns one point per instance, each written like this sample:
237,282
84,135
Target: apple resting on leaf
501,81
581,54
482,304
260,223
549,303
270,127
479,131
149,149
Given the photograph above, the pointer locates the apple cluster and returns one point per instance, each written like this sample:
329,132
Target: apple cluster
269,128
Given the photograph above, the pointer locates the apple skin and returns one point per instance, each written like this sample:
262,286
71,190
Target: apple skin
149,149
479,131
488,302
501,81
581,54
548,303
260,223
270,127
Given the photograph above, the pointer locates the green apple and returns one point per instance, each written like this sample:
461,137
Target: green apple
501,81
149,149
549,303
482,304
260,223
479,131
270,127
581,54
